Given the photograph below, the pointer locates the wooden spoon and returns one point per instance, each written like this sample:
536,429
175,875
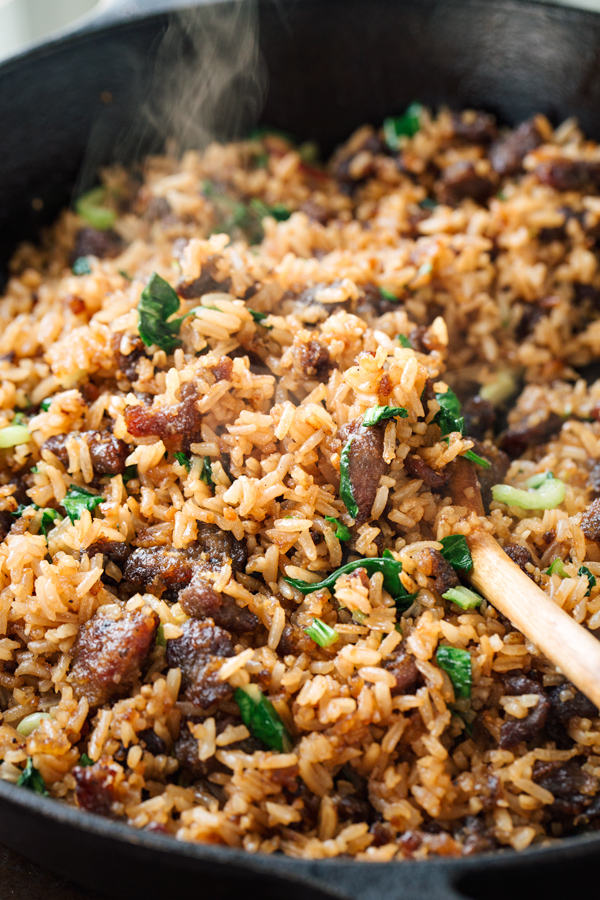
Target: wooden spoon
560,638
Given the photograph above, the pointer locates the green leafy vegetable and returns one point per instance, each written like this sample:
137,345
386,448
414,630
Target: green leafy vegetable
456,551
91,207
125,275
81,266
380,413
259,317
558,568
404,341
388,295
45,404
457,663
129,473
261,718
322,634
428,203
29,724
548,495
47,520
463,597
206,473
342,532
161,640
85,760
583,570
278,211
390,567
405,125
157,303
13,435
449,418
183,460
31,779
78,499
346,492
479,460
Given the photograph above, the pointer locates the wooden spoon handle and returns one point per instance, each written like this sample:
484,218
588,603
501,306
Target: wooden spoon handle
560,638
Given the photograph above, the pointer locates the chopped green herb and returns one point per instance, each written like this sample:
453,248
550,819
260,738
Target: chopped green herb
449,418
390,567
129,473
405,125
479,460
157,303
463,597
259,317
13,435
346,492
388,295
583,570
404,341
31,779
45,404
456,551
29,724
47,521
457,663
548,495
381,413
78,499
428,203
183,460
85,760
81,266
322,634
206,473
90,207
342,532
124,274
261,718
34,470
161,640
278,211
558,568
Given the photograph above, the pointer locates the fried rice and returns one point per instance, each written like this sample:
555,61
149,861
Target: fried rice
179,467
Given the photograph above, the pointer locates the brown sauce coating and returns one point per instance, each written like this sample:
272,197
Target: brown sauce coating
198,653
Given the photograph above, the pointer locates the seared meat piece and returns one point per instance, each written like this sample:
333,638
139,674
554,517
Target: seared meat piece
6,523
461,180
366,464
156,568
433,564
224,369
594,478
479,415
197,653
422,340
516,730
569,703
403,667
95,786
476,836
374,303
92,242
154,743
418,468
109,653
186,753
499,464
353,808
572,788
532,430
127,363
313,360
117,552
507,153
201,601
530,316
590,521
219,545
158,208
108,453
474,127
294,641
315,212
569,174
178,423
519,555
204,284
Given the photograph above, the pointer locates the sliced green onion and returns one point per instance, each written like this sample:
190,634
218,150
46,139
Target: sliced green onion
45,404
457,663
548,495
404,342
29,724
478,460
206,473
81,266
463,597
405,125
184,460
583,570
321,633
13,435
388,295
31,779
85,760
90,207
161,640
558,568
342,532
261,718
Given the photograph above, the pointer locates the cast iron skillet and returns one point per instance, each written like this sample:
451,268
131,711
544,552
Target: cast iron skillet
332,65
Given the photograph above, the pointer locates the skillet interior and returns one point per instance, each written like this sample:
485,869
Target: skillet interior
360,61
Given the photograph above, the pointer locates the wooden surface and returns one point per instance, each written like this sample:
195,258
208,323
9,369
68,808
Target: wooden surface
21,880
